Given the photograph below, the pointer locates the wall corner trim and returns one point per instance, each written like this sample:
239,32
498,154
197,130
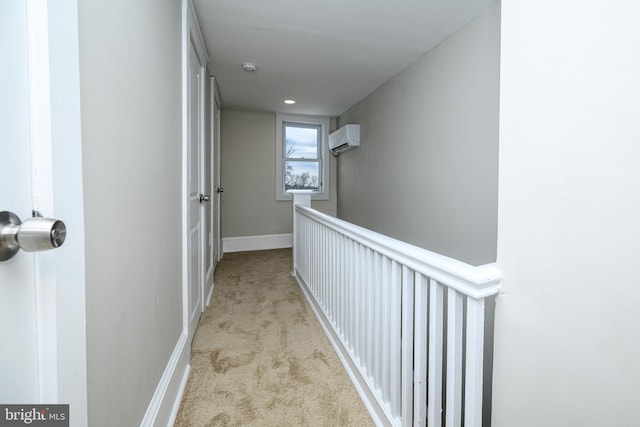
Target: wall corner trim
164,405
257,243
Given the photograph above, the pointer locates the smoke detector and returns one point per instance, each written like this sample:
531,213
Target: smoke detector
249,67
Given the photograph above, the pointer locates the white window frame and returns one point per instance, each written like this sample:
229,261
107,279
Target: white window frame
323,154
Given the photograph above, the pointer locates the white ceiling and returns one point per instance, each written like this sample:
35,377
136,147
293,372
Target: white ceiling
327,55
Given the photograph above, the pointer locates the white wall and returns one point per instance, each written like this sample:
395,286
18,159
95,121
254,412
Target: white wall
426,171
248,168
567,346
130,70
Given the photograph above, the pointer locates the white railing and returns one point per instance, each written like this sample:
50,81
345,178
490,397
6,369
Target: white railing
407,323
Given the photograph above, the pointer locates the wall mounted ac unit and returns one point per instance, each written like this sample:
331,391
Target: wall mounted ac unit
344,139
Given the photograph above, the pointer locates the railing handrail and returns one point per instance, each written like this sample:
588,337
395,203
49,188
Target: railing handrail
474,281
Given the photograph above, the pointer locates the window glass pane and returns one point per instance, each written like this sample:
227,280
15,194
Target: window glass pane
301,175
301,142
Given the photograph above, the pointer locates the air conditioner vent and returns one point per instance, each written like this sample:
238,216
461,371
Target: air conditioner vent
344,139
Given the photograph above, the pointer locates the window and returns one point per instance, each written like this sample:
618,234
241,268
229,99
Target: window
301,158
301,153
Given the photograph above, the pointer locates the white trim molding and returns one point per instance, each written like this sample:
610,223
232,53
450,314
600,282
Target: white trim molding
257,243
196,34
164,405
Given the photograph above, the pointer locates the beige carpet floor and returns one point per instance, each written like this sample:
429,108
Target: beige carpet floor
260,357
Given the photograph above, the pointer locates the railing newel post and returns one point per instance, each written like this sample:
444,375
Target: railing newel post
302,198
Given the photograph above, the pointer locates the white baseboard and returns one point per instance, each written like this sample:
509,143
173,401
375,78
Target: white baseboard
257,243
176,404
208,300
165,402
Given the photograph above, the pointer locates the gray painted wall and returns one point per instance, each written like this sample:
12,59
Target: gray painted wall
248,168
567,343
130,69
426,170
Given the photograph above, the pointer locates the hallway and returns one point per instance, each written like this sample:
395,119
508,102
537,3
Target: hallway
259,356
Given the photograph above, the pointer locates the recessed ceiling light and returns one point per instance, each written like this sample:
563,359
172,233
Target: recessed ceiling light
249,66
289,101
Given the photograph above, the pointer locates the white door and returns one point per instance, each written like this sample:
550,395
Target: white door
194,185
217,189
212,211
209,250
18,360
42,303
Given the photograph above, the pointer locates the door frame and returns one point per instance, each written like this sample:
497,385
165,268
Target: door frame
68,199
191,36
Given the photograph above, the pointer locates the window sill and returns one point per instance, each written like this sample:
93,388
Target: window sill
314,196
